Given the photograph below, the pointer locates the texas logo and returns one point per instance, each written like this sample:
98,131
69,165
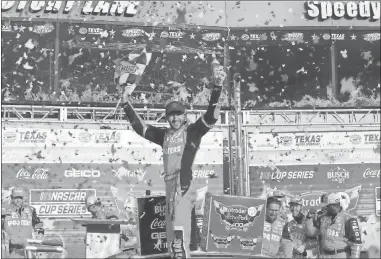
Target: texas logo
237,217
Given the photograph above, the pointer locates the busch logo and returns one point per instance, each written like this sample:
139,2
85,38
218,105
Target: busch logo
338,174
160,209
39,174
369,173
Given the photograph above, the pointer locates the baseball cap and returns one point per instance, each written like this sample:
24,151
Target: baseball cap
297,200
334,198
91,200
17,192
174,106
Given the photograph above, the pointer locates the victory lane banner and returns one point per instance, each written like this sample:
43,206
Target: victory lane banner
233,224
63,203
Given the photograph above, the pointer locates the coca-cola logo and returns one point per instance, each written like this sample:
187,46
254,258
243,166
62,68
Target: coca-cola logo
369,173
39,174
157,224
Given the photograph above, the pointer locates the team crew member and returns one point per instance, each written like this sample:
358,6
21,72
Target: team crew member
297,229
180,143
339,231
276,242
20,222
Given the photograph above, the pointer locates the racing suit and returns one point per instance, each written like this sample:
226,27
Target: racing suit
276,239
340,236
297,229
179,150
19,224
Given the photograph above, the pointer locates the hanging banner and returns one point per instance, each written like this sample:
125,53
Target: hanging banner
314,140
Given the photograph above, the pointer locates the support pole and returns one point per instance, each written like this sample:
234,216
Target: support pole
230,97
238,129
333,71
56,62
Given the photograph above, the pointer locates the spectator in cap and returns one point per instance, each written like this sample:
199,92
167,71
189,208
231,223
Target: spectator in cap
20,223
340,234
297,228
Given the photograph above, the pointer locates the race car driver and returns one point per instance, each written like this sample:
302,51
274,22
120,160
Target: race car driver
180,143
339,232
297,229
20,222
276,241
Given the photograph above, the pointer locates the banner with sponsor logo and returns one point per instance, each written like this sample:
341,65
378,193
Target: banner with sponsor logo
55,203
313,140
324,156
233,225
318,174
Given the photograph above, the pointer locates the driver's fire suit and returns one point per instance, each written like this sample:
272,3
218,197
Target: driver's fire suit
19,224
179,151
340,236
276,241
297,229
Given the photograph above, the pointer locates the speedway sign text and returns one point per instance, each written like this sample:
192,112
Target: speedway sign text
339,9
128,8
60,202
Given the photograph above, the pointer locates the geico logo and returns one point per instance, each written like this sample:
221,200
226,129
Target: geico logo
22,222
158,235
287,175
203,174
82,173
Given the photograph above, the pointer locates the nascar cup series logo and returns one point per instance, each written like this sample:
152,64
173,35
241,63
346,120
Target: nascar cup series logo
247,243
222,242
237,217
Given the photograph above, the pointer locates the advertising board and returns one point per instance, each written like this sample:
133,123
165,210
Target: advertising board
313,140
53,203
233,225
